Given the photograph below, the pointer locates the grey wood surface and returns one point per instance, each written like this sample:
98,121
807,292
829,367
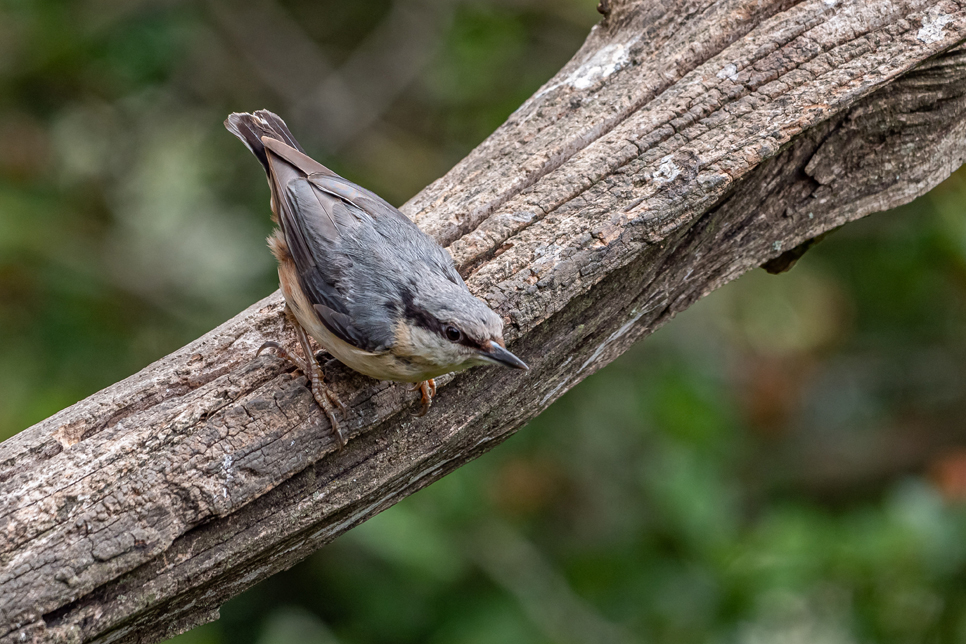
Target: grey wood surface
684,144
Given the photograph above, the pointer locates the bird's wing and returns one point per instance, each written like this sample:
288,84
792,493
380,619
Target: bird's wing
389,219
313,240
365,200
317,224
294,156
351,247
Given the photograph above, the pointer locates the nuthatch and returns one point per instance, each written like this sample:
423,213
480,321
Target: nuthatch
362,279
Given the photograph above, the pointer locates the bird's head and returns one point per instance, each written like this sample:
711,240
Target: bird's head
447,329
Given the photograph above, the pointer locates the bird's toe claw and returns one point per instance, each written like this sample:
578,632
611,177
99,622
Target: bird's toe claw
428,390
328,401
284,353
268,344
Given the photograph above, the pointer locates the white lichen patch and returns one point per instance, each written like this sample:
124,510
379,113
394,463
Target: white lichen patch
932,27
729,71
226,464
667,171
608,60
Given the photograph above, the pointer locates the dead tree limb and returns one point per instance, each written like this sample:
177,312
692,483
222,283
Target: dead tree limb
683,145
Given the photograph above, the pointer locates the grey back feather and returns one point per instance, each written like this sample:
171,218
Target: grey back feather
364,259
360,260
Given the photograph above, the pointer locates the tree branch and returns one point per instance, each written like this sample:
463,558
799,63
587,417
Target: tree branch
681,147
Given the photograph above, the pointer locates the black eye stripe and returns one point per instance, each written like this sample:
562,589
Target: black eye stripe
418,316
422,318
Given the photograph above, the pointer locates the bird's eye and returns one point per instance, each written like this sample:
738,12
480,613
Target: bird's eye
453,334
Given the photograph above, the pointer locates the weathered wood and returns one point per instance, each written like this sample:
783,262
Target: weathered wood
682,146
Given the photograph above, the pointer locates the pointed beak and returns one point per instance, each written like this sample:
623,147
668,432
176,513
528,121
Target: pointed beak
499,355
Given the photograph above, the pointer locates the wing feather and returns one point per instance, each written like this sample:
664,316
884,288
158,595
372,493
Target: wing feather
296,157
365,200
352,250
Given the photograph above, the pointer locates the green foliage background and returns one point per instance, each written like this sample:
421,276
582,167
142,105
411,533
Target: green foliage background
782,463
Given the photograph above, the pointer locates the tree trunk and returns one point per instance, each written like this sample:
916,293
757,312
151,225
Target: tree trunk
683,145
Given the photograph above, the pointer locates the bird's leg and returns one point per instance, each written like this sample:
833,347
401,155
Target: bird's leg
428,389
320,392
313,372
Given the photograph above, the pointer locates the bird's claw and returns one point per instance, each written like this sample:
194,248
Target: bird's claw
268,344
284,353
326,399
428,390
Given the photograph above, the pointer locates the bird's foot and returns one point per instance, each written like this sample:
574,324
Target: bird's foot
428,390
325,398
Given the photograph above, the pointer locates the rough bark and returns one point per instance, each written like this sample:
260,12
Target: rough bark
683,145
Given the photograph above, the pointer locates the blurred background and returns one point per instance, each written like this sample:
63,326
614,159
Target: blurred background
784,462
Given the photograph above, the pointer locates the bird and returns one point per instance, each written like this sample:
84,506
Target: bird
362,279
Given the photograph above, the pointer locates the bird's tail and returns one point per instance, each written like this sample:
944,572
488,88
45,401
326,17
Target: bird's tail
250,128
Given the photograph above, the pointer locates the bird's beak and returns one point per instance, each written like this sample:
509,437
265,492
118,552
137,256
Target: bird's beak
499,355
